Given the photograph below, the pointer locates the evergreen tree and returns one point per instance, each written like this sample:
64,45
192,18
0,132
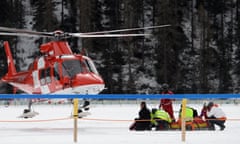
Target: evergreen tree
237,43
217,11
12,15
199,53
44,17
112,55
171,41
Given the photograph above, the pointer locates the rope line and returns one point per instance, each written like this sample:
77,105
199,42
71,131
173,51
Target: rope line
112,120
118,120
43,120
89,119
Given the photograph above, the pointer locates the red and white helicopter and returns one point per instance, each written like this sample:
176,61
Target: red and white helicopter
58,70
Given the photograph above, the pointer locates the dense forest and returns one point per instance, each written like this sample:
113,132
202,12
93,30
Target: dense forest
198,53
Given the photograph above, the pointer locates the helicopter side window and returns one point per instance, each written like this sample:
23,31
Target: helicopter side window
71,67
45,76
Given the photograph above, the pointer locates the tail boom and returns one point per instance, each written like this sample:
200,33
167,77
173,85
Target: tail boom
11,67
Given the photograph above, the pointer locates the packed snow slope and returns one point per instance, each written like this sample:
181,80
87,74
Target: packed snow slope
107,124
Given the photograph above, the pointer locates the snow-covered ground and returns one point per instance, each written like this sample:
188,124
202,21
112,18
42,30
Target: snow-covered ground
107,124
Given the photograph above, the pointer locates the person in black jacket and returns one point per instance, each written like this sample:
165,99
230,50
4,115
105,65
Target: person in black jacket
143,121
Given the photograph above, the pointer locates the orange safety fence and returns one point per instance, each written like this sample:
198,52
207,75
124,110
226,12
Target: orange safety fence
98,119
89,119
40,120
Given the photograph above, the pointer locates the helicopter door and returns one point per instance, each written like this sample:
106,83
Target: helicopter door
45,79
45,76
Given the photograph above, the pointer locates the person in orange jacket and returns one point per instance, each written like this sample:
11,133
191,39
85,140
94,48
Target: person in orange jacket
166,103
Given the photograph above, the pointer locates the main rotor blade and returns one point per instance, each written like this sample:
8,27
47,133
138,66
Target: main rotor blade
21,34
22,31
130,29
83,35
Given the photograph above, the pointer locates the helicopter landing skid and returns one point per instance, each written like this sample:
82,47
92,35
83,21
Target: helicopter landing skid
30,114
83,114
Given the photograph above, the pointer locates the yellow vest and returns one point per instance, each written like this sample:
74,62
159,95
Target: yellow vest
189,114
161,114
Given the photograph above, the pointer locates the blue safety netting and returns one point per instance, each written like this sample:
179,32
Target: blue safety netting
122,96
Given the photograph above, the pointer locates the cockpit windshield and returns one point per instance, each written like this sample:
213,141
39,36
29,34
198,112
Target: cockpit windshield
71,67
91,67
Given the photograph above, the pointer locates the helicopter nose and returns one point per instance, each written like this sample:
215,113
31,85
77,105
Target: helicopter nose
87,83
86,79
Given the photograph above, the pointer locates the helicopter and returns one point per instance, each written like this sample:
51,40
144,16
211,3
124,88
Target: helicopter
58,70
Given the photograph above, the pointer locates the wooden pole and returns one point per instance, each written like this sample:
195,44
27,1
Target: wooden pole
75,116
183,119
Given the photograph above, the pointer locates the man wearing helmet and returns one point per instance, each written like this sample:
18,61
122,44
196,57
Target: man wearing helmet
216,116
166,103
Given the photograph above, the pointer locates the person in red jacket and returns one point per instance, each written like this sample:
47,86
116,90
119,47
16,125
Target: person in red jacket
203,114
166,103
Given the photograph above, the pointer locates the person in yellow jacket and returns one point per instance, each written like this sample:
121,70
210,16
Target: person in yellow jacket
191,113
160,119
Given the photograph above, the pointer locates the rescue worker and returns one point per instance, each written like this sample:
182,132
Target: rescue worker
216,116
190,116
160,119
203,114
143,121
189,113
166,103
